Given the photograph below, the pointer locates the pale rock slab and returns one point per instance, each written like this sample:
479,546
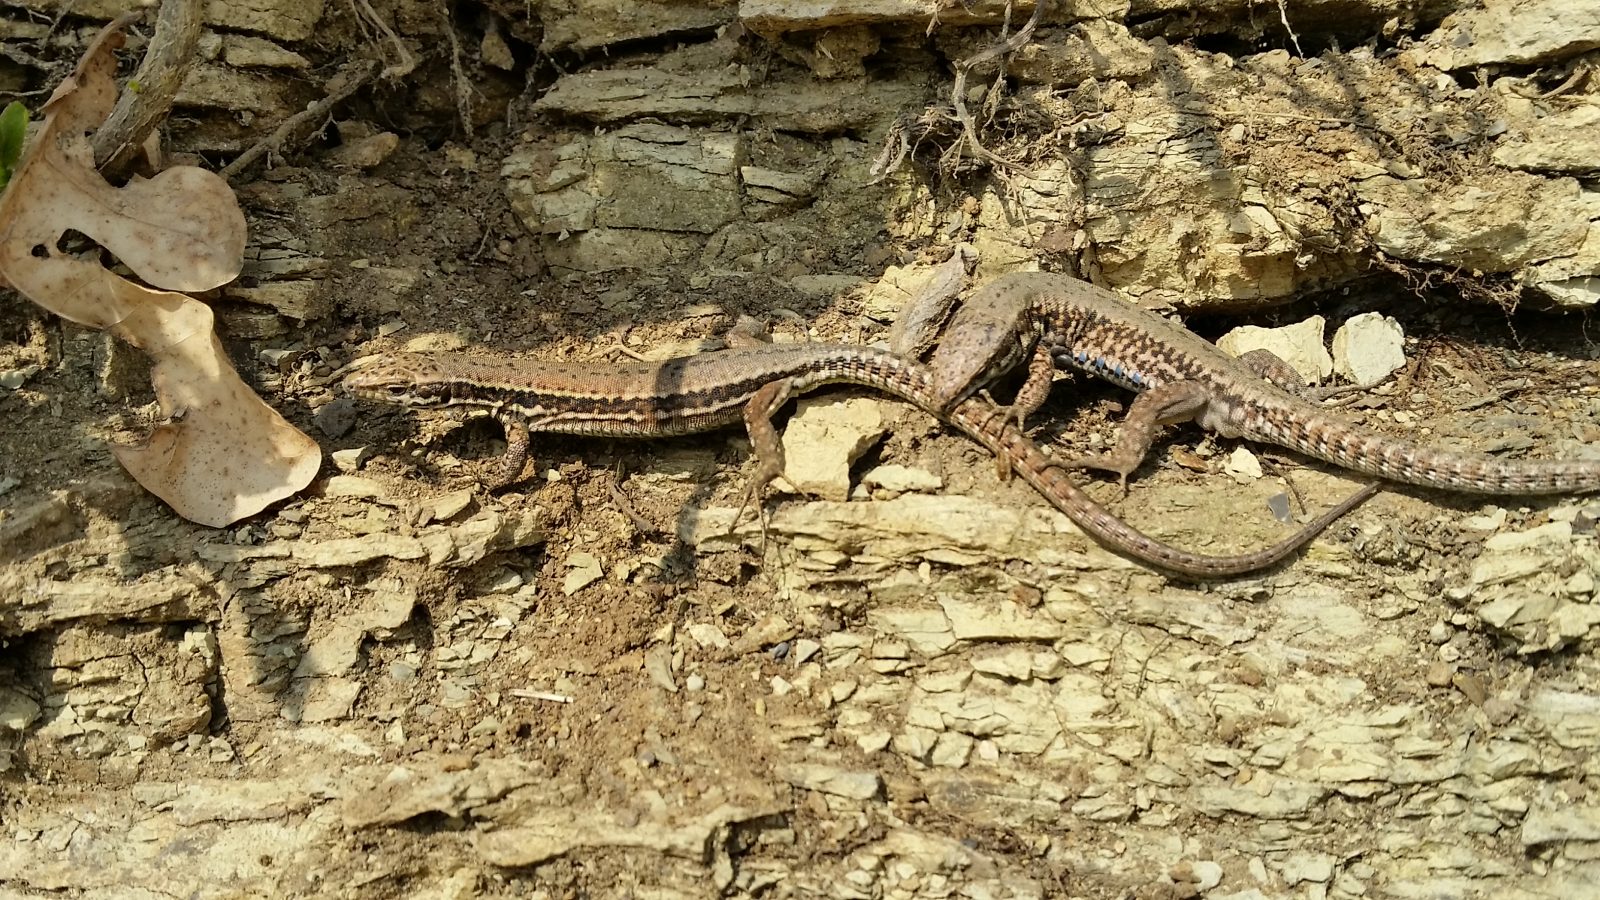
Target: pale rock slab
900,479
1368,347
1571,282
717,89
285,20
1494,32
1547,137
824,438
774,17
1496,222
1300,345
589,24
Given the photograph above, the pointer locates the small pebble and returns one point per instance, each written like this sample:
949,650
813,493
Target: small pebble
336,418
1472,687
694,683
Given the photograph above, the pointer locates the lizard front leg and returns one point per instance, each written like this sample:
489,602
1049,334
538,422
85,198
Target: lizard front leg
516,456
758,413
1034,391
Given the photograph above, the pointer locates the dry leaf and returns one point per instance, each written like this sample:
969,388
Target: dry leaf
224,454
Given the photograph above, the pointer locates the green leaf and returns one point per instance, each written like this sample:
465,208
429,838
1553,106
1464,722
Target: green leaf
13,127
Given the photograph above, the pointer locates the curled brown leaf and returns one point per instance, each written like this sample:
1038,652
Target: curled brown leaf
222,454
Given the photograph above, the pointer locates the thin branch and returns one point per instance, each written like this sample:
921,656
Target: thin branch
148,98
969,128
349,80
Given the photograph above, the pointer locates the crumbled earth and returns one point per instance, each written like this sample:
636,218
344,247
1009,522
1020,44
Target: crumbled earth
927,684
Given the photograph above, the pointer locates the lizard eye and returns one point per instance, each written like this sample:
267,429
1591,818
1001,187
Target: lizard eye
398,390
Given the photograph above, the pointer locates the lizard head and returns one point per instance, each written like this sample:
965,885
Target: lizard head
416,380
983,341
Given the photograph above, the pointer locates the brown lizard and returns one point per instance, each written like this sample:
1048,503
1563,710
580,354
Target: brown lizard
1043,319
699,393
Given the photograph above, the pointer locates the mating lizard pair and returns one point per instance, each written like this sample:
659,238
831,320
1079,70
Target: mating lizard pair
1000,327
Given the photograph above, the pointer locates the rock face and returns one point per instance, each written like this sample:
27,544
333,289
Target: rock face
1258,180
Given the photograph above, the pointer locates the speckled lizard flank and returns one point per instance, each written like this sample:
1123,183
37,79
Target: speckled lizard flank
1040,318
707,391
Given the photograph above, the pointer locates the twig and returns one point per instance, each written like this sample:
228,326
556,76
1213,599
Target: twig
1283,16
349,80
896,145
457,73
23,58
365,13
629,352
1574,79
539,695
119,141
640,524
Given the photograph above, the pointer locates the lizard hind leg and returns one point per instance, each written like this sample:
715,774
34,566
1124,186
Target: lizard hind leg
1175,401
766,446
1271,367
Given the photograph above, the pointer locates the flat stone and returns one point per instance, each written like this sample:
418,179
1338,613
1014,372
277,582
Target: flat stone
773,17
1299,345
1496,32
1563,140
286,20
328,699
1266,797
824,438
337,417
951,750
590,24
708,636
972,620
1568,822
1368,347
1497,221
854,785
249,51
583,569
892,477
641,176
17,710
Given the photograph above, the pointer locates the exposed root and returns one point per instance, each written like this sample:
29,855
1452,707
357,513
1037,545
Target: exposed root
119,142
463,87
969,128
365,16
908,131
307,122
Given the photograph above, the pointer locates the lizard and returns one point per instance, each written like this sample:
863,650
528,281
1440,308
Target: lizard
709,390
1045,319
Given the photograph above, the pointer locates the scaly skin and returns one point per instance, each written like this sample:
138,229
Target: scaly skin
707,391
1035,315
